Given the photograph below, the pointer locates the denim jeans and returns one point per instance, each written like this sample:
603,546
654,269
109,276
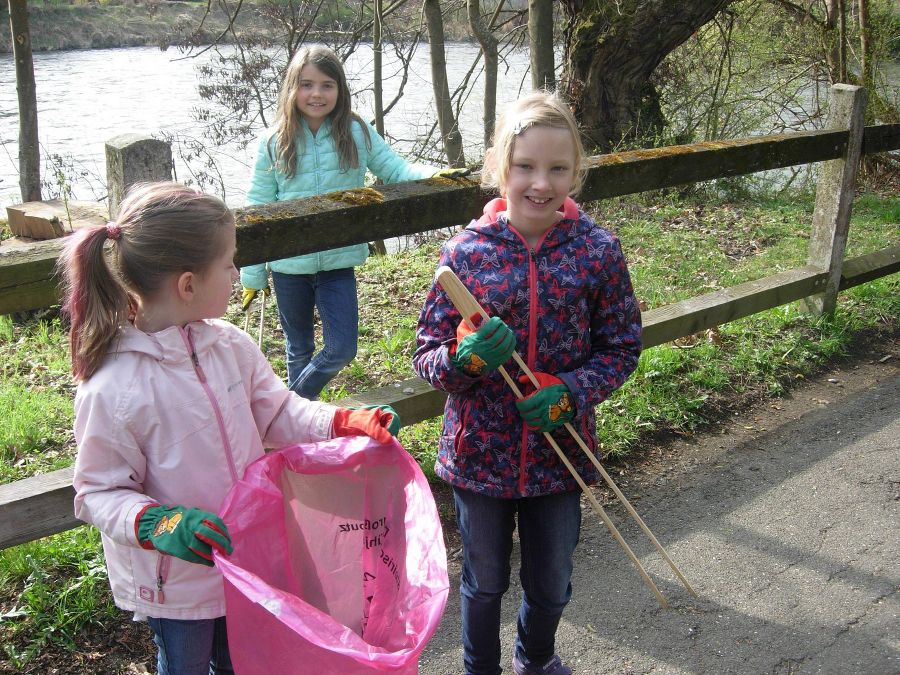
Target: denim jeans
191,647
549,528
333,293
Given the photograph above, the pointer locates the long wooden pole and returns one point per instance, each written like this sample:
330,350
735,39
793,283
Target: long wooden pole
467,306
262,318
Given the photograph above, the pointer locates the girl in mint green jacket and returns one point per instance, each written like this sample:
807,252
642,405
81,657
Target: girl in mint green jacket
318,145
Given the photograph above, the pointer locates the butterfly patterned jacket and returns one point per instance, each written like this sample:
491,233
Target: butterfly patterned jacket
570,303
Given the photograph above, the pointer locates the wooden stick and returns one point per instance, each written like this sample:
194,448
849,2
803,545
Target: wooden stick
262,316
467,305
609,481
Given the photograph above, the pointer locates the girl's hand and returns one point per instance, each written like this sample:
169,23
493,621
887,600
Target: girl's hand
550,406
379,422
248,295
485,349
186,533
452,173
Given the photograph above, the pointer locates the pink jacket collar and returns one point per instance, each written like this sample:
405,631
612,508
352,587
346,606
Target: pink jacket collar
495,207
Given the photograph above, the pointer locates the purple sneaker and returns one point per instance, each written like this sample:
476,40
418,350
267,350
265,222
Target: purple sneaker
553,667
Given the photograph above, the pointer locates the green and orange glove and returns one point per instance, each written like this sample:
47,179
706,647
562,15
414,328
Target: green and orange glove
550,406
379,422
186,533
482,350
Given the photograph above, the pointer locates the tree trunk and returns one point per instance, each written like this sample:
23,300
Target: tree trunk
29,148
540,37
611,51
865,46
832,41
488,44
842,39
450,134
378,87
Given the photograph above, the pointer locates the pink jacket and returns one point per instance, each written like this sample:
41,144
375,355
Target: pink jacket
175,418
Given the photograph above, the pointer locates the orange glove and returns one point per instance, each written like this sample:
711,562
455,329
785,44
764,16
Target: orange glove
373,422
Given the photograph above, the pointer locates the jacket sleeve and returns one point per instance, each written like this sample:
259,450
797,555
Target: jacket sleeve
615,336
435,335
282,417
109,469
263,190
263,183
387,164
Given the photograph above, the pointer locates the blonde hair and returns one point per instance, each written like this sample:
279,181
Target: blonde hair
287,135
538,109
161,229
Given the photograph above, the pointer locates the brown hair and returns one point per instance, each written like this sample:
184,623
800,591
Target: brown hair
162,229
538,109
287,123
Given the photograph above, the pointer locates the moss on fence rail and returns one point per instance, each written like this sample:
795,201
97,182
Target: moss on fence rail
318,223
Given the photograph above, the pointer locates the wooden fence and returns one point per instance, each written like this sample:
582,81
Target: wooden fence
42,505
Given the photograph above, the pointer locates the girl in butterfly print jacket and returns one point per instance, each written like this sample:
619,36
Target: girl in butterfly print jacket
570,304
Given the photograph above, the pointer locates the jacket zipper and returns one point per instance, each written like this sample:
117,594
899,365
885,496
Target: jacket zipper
531,352
189,342
529,359
163,563
317,172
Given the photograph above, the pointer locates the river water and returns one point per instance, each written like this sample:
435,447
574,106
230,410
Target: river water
86,97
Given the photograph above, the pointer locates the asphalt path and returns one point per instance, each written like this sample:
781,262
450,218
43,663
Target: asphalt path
786,521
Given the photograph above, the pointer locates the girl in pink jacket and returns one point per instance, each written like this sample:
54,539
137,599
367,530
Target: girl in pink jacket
172,405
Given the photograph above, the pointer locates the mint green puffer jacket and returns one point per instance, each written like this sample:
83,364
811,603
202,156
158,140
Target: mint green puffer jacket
318,171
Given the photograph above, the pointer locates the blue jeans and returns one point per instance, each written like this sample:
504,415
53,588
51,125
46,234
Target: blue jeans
191,647
333,293
549,528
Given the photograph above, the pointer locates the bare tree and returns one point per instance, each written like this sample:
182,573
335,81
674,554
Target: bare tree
841,9
612,48
540,37
29,148
453,145
482,31
865,46
835,38
377,83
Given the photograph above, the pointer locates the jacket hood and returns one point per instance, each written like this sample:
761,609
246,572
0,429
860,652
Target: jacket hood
493,221
170,344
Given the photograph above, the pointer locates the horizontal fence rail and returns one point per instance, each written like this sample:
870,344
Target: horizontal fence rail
284,229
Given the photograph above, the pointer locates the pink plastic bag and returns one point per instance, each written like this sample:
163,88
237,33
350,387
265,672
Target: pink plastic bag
339,563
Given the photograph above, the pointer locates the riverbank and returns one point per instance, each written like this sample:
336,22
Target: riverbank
58,27
162,24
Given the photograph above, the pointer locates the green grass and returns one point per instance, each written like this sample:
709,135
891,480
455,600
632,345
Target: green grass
36,399
48,611
676,250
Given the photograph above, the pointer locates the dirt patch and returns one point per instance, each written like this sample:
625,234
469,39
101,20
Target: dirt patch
118,647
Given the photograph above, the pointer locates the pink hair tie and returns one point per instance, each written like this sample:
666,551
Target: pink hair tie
113,231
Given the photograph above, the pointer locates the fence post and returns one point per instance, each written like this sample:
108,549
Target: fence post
834,196
132,158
